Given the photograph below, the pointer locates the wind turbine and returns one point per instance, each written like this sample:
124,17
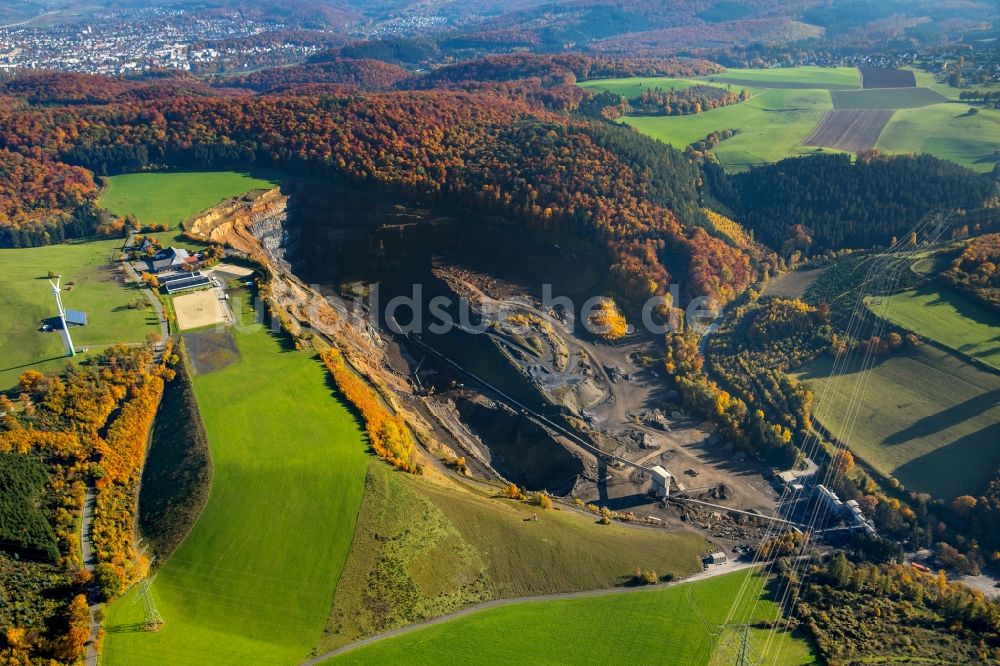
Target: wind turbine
67,341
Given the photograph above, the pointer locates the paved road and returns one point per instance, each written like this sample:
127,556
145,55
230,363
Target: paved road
719,570
150,296
89,562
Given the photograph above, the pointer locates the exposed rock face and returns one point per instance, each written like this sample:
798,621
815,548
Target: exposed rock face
261,213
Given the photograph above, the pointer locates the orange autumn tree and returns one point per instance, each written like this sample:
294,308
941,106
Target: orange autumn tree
387,432
72,646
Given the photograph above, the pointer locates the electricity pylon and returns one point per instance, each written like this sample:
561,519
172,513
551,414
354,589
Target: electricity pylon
152,620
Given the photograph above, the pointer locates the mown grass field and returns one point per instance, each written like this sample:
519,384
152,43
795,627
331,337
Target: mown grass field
26,299
426,546
637,627
945,131
254,580
167,197
828,78
926,417
948,318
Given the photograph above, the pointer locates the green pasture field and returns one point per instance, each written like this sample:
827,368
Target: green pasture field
668,625
26,298
788,103
777,99
945,131
885,98
771,125
254,580
924,416
168,197
634,86
948,318
827,78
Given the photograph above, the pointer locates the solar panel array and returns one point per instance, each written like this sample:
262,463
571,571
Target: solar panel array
167,279
187,283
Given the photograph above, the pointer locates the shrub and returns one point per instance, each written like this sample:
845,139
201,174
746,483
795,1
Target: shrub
541,500
513,492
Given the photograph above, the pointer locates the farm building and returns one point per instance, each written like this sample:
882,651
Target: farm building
170,259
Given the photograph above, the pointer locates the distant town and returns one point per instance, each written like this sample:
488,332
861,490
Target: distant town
158,39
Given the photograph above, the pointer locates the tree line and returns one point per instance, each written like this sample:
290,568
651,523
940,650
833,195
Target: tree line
682,102
862,612
388,434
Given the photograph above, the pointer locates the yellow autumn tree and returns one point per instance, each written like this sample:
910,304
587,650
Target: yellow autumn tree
607,321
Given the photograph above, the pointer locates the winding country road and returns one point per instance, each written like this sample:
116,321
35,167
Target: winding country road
718,570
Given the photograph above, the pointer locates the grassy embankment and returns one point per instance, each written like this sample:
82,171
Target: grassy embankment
426,546
675,625
177,476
